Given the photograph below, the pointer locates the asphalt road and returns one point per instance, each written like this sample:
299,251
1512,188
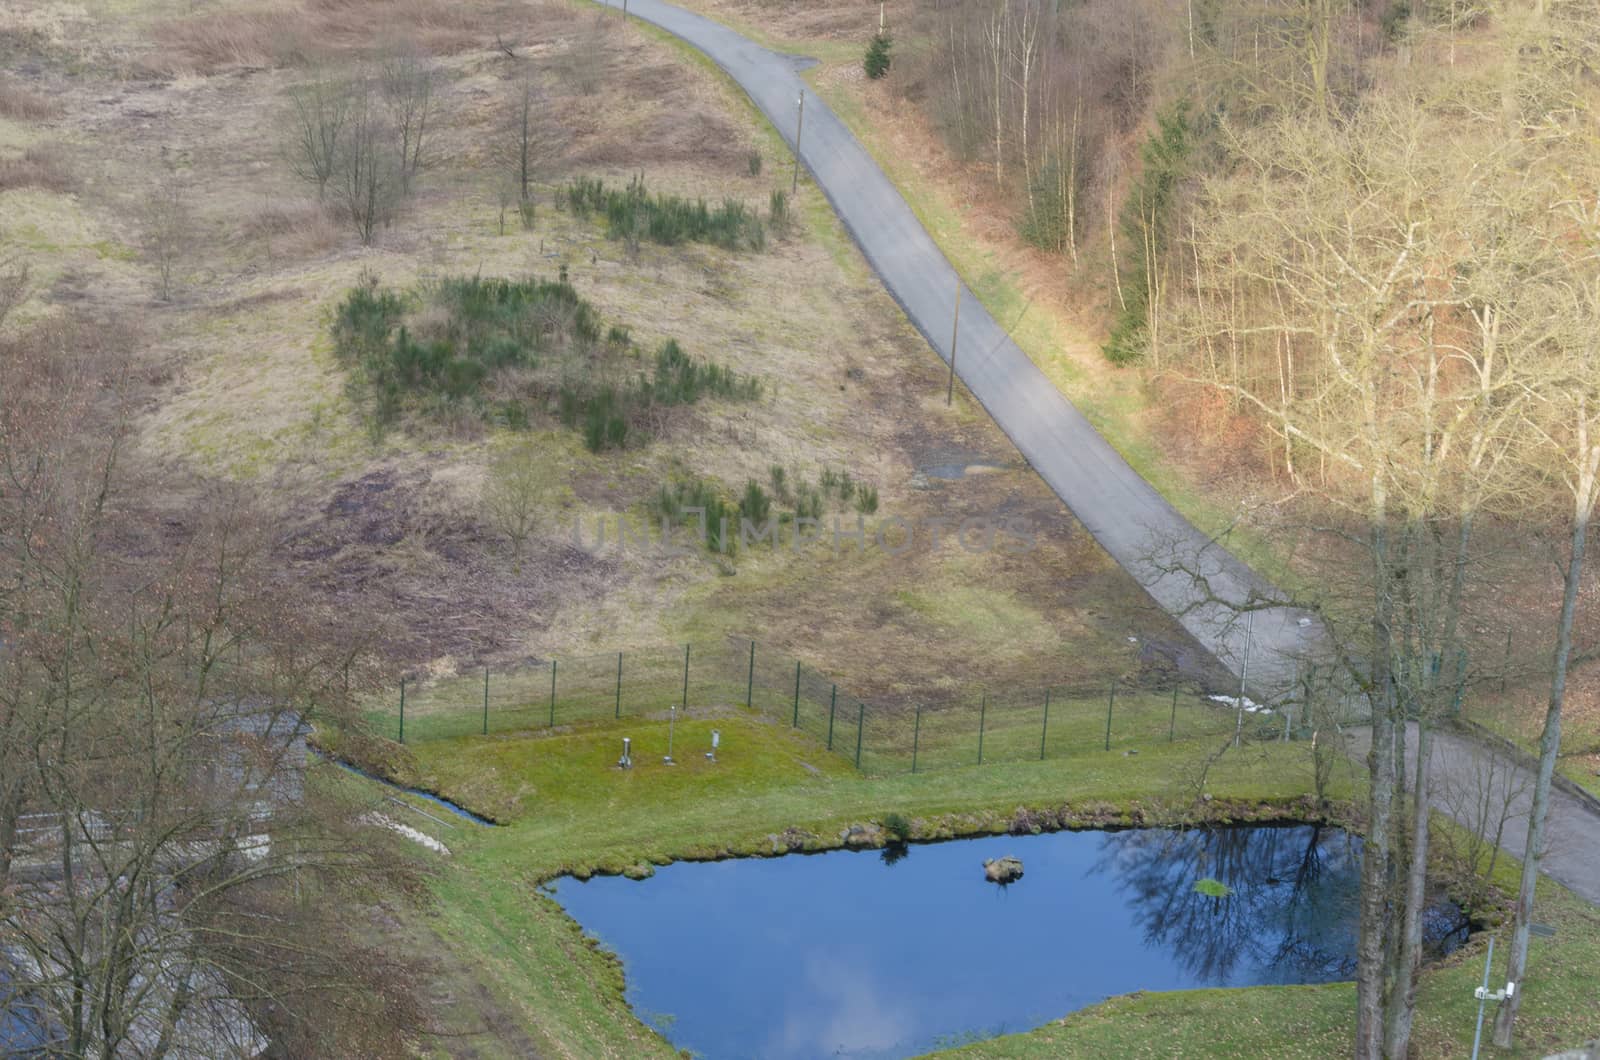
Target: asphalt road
1181,569
1489,793
1198,582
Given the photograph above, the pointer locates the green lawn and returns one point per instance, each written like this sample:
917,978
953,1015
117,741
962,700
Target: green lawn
568,809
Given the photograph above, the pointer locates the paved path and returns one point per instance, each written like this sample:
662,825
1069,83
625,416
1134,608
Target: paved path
1477,786
1133,522
1142,532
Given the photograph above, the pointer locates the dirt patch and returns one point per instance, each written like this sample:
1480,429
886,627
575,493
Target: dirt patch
395,545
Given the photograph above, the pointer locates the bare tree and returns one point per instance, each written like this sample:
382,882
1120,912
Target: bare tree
1570,431
1387,356
583,63
520,493
408,82
369,180
318,111
167,232
154,703
529,140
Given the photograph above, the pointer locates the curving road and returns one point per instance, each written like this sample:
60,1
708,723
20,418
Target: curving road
1181,569
1193,579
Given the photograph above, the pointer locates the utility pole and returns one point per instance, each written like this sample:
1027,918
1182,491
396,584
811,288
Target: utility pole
955,331
799,127
1244,669
955,327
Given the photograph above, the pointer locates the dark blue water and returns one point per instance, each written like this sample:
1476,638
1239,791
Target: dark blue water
892,953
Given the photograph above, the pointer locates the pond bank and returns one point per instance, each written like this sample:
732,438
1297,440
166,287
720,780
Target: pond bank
1022,821
433,797
887,953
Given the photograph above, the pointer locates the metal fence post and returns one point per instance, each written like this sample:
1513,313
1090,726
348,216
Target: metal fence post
486,701
861,723
1044,730
833,702
916,737
750,681
1172,723
552,693
1110,704
686,677
983,710
795,722
402,710
618,712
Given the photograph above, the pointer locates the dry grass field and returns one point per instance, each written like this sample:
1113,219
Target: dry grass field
107,101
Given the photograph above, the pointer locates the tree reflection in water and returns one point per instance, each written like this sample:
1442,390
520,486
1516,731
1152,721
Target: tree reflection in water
1292,914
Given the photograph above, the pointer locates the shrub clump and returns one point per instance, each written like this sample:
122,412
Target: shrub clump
491,345
676,502
877,60
634,213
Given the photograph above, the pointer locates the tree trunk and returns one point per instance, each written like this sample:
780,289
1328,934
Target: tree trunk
1549,743
1370,943
1403,992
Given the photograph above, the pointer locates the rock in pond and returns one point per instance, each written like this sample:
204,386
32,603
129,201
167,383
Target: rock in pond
1002,870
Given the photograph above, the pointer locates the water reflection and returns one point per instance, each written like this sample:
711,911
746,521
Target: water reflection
1292,913
877,954
1289,919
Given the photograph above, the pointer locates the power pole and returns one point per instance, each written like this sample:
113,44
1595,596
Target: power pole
1244,669
799,127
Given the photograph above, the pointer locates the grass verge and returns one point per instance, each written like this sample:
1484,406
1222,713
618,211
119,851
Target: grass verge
772,790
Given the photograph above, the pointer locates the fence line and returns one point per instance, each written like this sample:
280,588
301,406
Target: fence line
983,727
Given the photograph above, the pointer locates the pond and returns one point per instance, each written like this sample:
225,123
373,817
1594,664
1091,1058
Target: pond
891,953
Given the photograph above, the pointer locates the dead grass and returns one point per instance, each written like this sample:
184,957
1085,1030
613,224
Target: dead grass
244,386
321,31
296,230
257,396
44,166
19,102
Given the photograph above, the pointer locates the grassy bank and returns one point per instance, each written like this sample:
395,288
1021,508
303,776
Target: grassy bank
567,809
773,789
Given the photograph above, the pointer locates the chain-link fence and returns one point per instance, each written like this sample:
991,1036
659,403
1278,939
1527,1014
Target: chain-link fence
954,728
